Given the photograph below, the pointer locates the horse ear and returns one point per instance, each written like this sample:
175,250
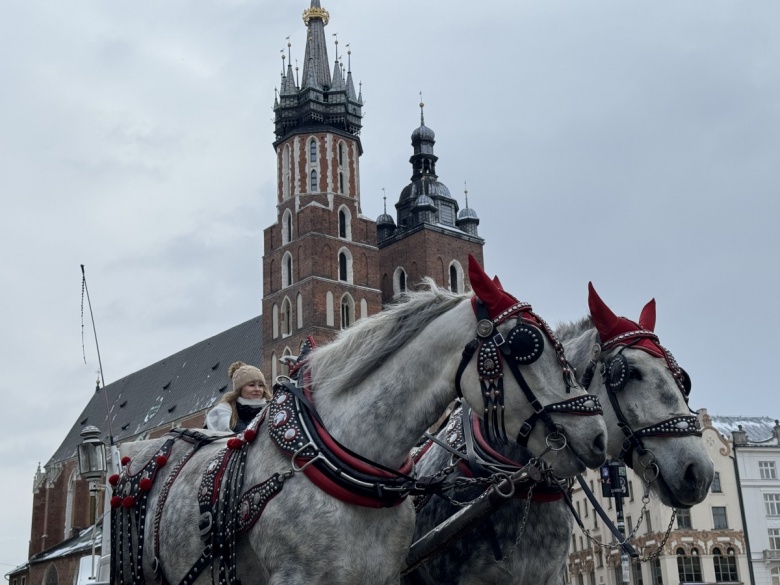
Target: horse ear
498,283
486,290
647,317
601,315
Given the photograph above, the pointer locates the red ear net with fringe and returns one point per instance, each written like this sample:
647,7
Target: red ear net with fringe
494,297
610,325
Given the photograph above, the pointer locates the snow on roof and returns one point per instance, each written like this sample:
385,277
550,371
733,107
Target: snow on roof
759,429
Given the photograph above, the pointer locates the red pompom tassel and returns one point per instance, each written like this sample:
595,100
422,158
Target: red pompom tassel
116,501
113,479
162,460
145,484
250,435
126,460
128,502
234,443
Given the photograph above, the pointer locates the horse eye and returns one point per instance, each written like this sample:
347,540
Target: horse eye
634,374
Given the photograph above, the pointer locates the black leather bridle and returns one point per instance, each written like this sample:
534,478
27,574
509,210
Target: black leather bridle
523,345
615,371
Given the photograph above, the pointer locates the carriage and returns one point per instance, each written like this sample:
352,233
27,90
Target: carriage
194,506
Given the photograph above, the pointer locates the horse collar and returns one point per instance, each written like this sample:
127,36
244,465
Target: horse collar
297,431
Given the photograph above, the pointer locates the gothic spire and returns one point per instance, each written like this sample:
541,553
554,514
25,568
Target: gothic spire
315,62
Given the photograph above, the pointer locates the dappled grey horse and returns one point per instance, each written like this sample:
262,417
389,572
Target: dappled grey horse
645,398
374,390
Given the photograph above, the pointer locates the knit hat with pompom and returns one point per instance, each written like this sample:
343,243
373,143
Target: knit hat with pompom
242,374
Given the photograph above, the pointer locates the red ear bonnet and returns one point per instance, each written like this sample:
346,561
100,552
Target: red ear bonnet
494,297
610,325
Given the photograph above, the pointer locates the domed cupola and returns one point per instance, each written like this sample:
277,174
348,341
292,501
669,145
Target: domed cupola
385,225
438,206
467,218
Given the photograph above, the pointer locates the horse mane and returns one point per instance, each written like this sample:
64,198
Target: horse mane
566,331
362,348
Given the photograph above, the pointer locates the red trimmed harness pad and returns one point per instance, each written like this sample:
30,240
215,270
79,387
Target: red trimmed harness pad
286,429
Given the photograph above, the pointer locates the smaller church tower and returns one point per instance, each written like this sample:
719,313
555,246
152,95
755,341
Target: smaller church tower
431,238
320,257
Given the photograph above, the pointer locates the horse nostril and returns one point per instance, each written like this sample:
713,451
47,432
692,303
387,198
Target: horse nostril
600,443
692,477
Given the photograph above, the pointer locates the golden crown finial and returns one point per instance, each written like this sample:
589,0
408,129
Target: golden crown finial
310,13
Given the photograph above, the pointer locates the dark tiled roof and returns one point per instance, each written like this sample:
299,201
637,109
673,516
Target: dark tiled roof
173,388
78,544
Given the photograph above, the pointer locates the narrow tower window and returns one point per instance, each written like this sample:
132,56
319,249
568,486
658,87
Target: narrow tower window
286,317
313,151
341,154
341,182
347,311
402,281
313,182
342,224
343,267
453,279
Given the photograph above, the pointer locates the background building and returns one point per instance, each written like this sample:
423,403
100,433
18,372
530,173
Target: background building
706,544
756,454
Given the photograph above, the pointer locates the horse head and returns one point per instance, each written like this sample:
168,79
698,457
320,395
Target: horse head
537,402
645,393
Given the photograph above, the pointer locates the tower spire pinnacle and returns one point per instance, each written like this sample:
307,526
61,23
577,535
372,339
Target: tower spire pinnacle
422,115
316,72
466,193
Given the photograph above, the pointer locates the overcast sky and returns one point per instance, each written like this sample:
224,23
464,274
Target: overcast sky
634,144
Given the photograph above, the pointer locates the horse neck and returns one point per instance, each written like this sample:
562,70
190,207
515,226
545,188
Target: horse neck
384,416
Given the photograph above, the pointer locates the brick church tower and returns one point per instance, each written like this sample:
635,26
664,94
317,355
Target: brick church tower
320,263
325,265
432,237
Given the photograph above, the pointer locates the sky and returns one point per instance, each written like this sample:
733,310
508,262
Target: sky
632,144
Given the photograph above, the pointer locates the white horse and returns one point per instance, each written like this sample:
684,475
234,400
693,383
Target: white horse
644,391
376,388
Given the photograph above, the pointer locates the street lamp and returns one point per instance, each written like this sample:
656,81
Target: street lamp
92,466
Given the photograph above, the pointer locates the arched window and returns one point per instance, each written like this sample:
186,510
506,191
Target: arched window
345,265
342,266
287,270
287,230
456,277
275,320
347,311
341,182
689,567
274,367
725,566
363,308
313,150
286,171
399,281
341,154
286,317
313,182
299,310
51,577
284,367
69,505
345,223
